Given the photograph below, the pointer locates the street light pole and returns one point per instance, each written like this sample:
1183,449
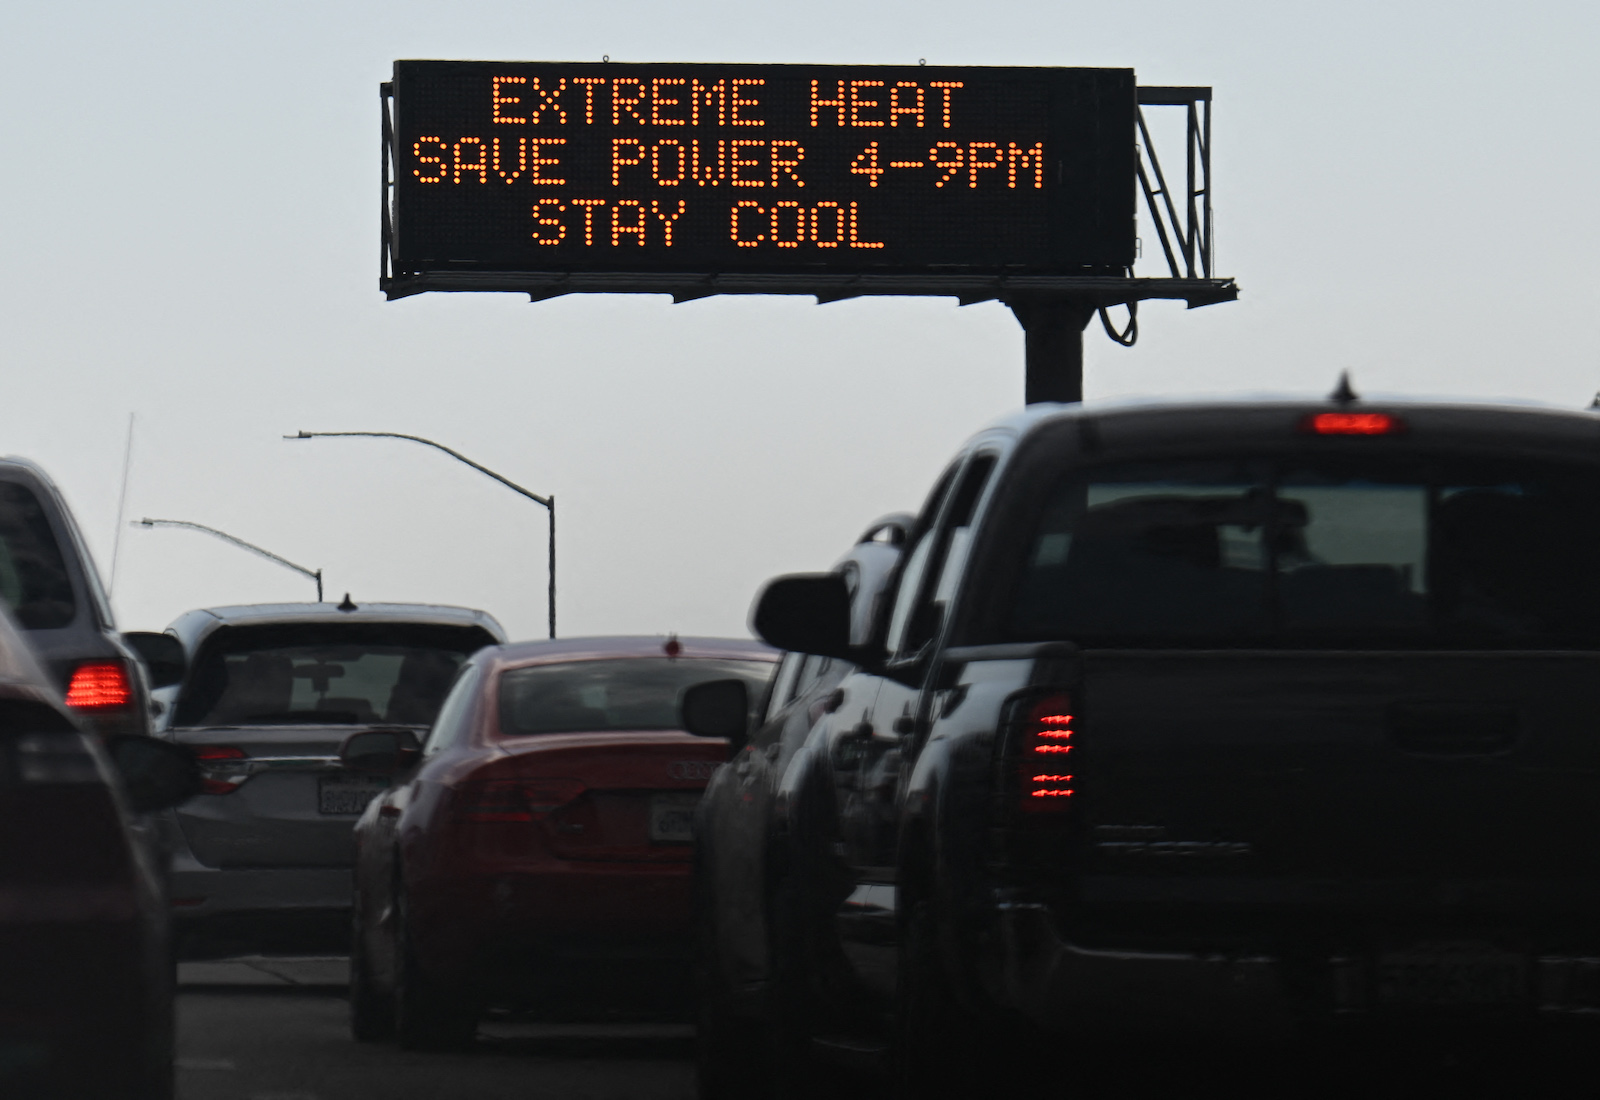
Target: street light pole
314,574
549,501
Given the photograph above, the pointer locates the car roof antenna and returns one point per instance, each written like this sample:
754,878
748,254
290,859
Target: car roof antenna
347,605
1344,393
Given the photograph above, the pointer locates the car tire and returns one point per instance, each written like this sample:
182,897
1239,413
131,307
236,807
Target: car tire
939,1048
794,1070
731,1057
426,1017
732,1060
155,1075
372,1014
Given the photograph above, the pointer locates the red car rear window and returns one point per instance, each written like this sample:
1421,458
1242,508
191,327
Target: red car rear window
624,693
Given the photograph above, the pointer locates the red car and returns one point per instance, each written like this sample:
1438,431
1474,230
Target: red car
534,851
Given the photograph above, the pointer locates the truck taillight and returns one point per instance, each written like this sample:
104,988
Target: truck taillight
1045,755
223,768
514,799
98,686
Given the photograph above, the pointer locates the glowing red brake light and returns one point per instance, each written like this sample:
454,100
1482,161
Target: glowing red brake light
223,768
1044,759
515,799
1353,423
99,686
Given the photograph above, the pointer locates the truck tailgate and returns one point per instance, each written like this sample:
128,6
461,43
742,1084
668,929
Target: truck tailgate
1345,781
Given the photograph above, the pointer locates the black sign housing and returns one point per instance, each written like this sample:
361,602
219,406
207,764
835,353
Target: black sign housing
535,167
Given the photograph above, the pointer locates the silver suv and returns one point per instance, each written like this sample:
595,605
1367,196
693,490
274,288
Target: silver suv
262,855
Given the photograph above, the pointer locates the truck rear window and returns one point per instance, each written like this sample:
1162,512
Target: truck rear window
1317,549
33,577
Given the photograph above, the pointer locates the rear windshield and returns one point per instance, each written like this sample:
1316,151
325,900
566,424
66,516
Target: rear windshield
631,693
33,577
1317,550
339,674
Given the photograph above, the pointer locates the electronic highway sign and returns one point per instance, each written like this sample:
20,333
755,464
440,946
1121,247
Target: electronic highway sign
779,171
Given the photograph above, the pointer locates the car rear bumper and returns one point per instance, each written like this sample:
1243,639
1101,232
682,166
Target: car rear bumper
600,937
1059,985
602,901
85,993
218,912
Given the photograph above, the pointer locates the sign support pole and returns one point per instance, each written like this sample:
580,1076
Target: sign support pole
1052,328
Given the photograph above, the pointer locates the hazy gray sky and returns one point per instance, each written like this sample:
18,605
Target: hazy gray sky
188,231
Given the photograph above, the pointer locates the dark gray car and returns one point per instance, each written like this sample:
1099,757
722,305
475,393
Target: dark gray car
262,856
51,587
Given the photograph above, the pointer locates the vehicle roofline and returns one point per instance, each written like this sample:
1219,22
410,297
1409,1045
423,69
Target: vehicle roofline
600,646
195,625
1036,418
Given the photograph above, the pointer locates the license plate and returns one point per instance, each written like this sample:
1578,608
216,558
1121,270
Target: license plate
1452,975
672,818
344,794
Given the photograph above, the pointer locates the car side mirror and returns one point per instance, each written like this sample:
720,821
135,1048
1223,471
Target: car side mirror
162,655
805,613
380,752
156,775
716,708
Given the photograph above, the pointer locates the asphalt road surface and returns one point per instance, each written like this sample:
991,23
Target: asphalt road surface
274,1029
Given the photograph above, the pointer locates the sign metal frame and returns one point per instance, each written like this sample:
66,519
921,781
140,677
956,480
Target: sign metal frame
1053,309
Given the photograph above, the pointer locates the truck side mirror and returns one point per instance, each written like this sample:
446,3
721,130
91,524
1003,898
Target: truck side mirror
162,655
805,613
380,752
155,774
716,708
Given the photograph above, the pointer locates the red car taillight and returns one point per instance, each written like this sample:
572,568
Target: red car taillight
514,799
223,768
1045,755
99,686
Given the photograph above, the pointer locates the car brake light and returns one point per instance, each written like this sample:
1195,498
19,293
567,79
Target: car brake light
515,799
1353,423
99,686
1045,759
223,768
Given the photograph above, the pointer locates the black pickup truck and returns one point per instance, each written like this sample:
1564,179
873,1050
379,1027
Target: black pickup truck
1267,720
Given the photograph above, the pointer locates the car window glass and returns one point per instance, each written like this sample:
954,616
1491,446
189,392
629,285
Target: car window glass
34,582
1402,549
333,673
451,726
612,694
813,669
909,583
783,682
920,607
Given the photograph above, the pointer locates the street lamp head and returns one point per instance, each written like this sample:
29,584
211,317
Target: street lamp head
299,435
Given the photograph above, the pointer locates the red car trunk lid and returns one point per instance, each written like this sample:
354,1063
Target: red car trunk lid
638,790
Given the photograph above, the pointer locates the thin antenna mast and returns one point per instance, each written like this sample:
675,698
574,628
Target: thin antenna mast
122,505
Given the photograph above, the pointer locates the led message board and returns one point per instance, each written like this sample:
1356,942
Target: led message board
777,169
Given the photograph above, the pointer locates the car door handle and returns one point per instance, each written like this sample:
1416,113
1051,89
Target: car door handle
388,811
